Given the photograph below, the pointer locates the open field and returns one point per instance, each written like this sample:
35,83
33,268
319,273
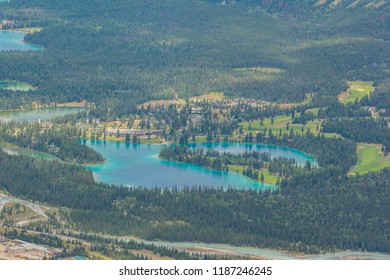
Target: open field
280,123
152,140
370,158
156,103
268,177
308,98
247,75
28,29
357,89
21,212
150,255
14,149
313,111
211,96
15,213
267,70
16,86
83,103
171,40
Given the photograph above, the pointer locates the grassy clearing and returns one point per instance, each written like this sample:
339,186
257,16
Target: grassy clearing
150,255
154,140
155,103
211,96
313,111
16,86
267,70
74,104
28,29
92,255
172,41
357,90
14,149
199,139
14,212
307,100
268,177
370,158
236,76
328,42
280,124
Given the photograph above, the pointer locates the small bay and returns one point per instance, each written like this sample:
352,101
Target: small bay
13,41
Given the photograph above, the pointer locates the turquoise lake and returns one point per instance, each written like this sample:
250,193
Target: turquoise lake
36,115
139,165
13,41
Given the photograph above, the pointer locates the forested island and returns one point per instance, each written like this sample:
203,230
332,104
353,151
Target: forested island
304,75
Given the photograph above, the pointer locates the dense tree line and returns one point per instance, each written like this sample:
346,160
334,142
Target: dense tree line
53,140
43,239
380,100
124,54
251,161
360,130
163,251
54,182
309,213
329,152
337,110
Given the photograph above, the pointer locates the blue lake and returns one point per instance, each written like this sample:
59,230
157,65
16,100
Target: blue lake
13,41
139,165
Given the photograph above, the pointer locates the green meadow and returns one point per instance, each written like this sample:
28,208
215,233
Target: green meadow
357,90
16,85
281,123
370,158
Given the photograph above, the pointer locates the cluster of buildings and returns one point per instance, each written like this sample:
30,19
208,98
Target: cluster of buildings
239,102
19,249
6,24
195,108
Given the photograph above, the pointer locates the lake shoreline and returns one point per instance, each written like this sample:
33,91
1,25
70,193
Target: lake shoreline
23,41
31,44
132,164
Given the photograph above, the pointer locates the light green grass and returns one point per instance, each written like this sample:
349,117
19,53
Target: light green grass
14,212
28,29
280,123
268,70
16,85
313,111
27,152
156,140
268,177
198,139
357,90
370,158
